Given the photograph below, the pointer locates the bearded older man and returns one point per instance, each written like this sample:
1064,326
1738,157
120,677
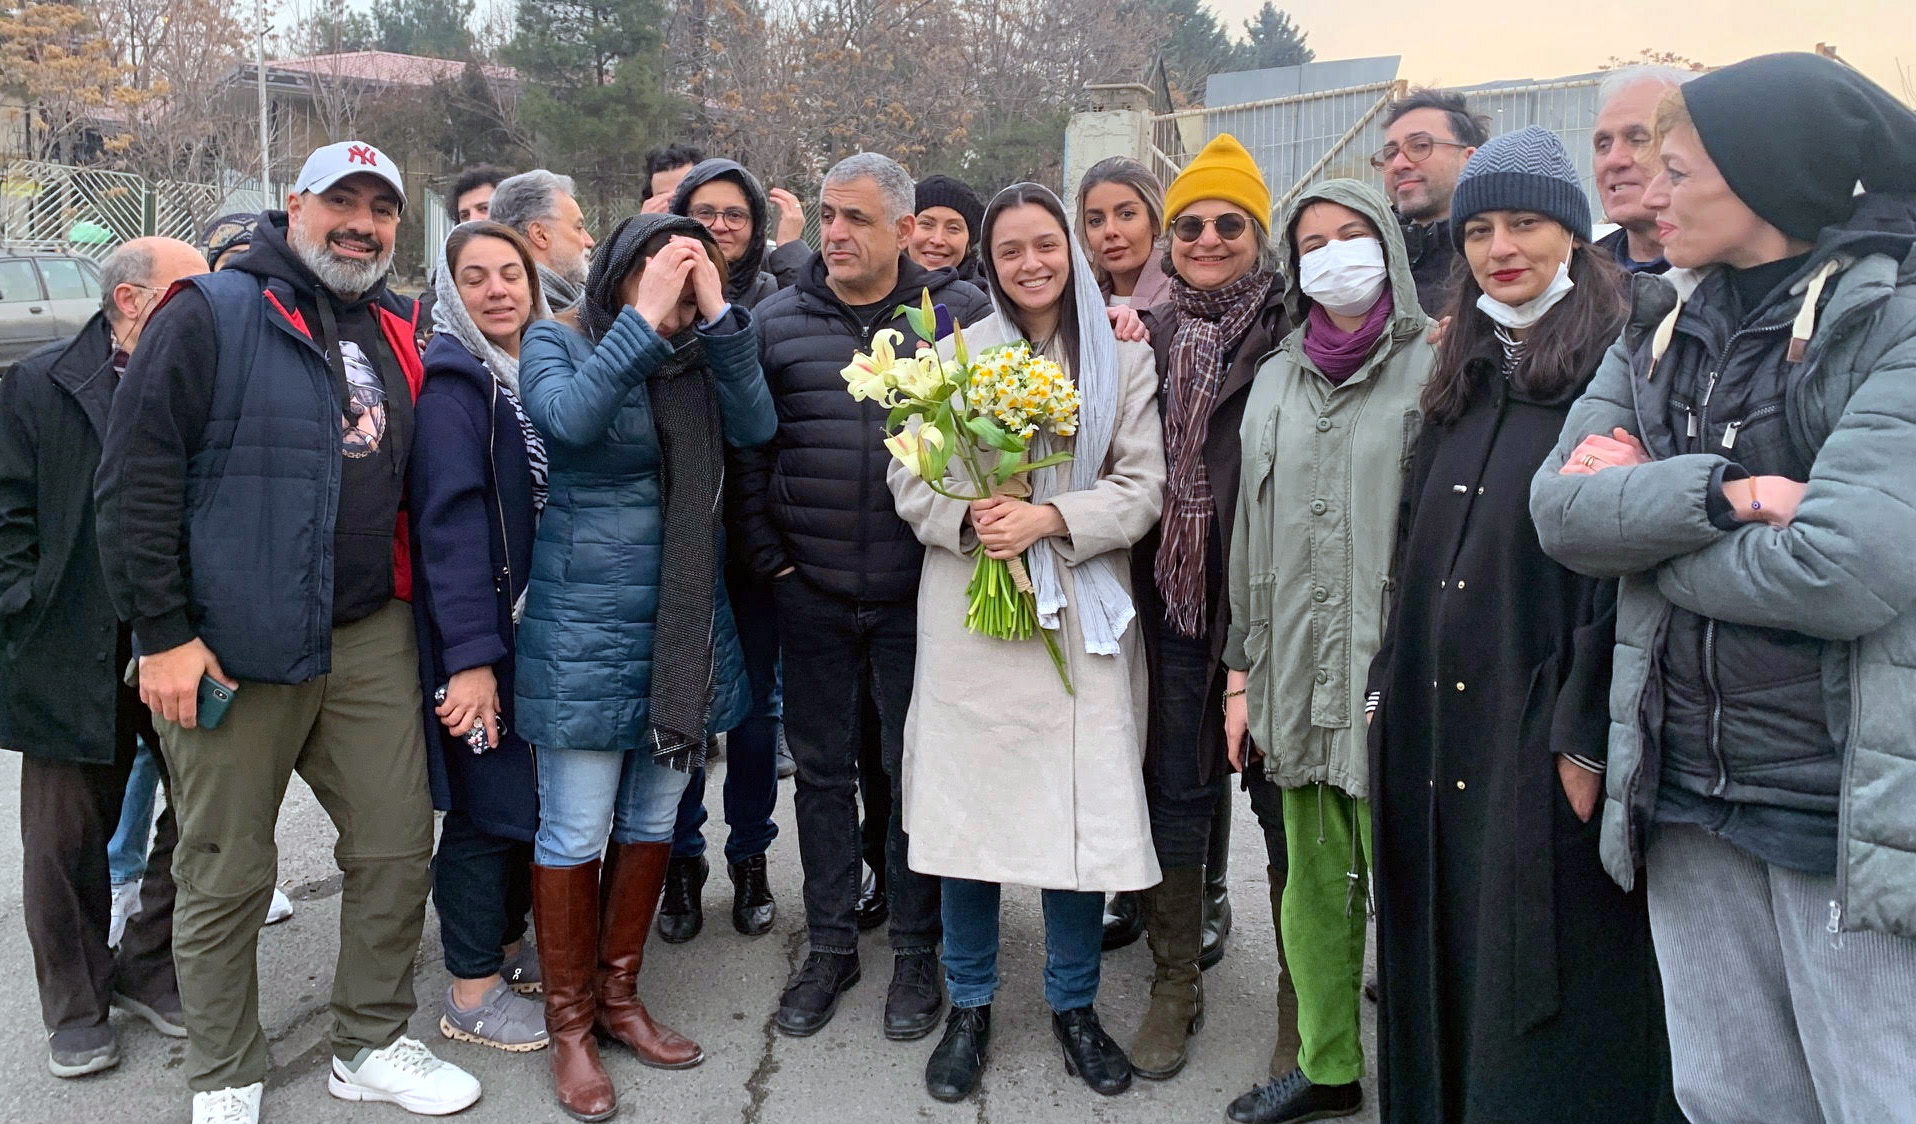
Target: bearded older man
250,495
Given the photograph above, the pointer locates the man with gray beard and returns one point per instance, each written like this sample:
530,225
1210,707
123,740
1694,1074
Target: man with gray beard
544,207
251,502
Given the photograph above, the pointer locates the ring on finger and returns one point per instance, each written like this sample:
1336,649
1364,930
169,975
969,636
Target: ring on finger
1590,460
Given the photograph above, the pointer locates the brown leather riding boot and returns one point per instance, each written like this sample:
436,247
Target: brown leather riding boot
565,914
630,887
1284,1054
1173,926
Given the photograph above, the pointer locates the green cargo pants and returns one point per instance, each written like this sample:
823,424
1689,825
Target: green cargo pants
1326,897
356,737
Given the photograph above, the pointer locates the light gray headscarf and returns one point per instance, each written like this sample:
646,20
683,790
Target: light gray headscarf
449,315
1104,608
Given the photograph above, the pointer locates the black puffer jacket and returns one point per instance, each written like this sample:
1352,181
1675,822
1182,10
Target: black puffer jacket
816,498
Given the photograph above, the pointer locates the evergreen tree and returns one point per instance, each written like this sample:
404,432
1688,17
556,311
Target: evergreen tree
1197,46
595,99
434,28
1272,39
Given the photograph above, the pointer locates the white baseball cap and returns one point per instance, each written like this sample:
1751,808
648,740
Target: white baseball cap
328,165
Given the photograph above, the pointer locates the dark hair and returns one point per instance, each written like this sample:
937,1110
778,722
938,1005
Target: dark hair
674,155
1466,128
1032,195
463,235
479,175
1125,172
648,249
1560,352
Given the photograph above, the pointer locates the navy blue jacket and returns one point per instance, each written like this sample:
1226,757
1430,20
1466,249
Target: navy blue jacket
585,642
469,491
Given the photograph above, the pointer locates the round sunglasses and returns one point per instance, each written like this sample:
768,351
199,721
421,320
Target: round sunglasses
1190,228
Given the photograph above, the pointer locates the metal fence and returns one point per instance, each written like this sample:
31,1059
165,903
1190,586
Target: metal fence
1306,138
91,211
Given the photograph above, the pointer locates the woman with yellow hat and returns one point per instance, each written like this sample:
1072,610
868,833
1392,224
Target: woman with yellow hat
1225,311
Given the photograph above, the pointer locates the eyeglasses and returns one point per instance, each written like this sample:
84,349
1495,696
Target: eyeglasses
1190,228
733,216
1416,148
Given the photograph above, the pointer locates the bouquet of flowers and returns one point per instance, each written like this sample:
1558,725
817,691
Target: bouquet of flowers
983,412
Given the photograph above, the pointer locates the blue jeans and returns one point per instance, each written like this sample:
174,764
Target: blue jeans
126,852
482,886
751,750
586,795
1073,944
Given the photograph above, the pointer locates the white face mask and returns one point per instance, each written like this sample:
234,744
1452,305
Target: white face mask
1521,316
1345,277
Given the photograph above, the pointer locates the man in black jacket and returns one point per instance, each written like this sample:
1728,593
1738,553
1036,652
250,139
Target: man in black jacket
251,499
819,523
63,704
1428,138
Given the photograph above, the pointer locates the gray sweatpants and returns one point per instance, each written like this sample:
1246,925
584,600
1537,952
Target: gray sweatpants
1774,1019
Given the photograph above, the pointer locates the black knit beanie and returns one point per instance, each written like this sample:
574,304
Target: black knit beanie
1528,170
1793,134
944,191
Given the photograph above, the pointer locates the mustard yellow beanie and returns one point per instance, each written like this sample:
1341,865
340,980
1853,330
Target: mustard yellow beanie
1224,170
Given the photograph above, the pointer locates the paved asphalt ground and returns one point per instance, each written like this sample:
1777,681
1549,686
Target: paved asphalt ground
720,989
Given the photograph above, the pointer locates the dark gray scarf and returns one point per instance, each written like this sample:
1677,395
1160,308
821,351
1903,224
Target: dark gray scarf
685,409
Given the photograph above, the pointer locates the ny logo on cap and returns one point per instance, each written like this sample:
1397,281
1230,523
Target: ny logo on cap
362,154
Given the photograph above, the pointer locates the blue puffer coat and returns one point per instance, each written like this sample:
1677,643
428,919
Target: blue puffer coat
585,642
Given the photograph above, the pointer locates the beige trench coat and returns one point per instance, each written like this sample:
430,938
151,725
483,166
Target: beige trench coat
1006,777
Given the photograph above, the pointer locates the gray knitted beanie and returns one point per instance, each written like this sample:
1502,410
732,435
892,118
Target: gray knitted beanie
1528,170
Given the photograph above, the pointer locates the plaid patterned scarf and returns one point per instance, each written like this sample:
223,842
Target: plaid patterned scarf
1210,324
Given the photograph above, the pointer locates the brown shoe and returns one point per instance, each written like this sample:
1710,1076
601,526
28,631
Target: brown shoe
1284,1054
1173,926
565,913
630,887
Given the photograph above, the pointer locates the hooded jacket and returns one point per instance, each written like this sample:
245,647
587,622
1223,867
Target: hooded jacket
1315,525
747,280
470,489
203,462
1837,578
815,498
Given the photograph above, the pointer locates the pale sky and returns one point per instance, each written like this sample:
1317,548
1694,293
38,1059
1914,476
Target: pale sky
1454,42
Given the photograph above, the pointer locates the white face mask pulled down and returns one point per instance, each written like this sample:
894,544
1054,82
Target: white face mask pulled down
1345,277
1518,317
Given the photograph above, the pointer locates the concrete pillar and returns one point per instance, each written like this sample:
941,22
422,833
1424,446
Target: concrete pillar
1116,123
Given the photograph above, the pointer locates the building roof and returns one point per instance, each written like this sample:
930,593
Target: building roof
385,67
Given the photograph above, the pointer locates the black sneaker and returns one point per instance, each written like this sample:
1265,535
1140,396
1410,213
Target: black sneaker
1091,1053
753,909
811,999
83,1050
681,913
956,1066
1292,1098
872,910
916,997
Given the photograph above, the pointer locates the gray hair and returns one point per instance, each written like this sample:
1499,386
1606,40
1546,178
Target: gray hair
1625,77
895,184
529,197
128,265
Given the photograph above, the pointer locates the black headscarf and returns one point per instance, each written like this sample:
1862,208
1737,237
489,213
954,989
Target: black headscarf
742,274
1794,133
685,411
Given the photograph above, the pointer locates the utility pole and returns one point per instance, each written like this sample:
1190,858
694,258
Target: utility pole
265,116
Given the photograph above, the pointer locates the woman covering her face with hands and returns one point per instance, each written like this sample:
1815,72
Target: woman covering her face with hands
1493,911
474,489
1008,778
628,657
1742,464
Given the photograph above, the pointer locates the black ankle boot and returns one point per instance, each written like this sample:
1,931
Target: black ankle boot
1293,1097
753,909
1123,920
1090,1053
872,909
955,1067
681,913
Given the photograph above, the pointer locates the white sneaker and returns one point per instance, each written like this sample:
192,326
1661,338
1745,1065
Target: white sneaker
281,909
408,1075
126,903
238,1105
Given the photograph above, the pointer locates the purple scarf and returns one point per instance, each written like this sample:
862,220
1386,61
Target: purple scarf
1338,353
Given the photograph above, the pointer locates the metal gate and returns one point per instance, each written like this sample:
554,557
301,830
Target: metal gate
91,212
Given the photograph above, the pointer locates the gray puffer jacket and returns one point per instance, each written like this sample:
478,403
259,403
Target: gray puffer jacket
1843,572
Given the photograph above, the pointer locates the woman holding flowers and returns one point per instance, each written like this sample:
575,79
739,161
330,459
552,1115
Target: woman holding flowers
1010,775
